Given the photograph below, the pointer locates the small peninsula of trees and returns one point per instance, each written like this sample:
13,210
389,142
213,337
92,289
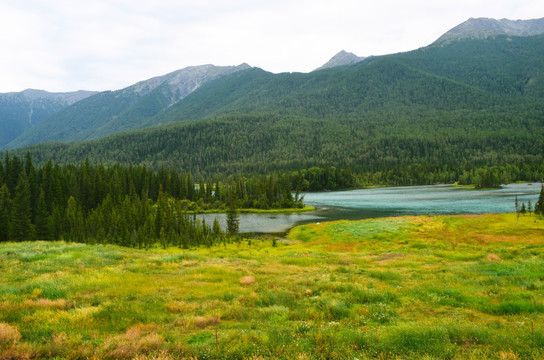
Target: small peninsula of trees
131,206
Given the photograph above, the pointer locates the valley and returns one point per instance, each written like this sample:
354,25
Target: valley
376,207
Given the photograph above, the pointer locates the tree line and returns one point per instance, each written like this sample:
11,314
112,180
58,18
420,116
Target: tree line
333,178
139,206
131,206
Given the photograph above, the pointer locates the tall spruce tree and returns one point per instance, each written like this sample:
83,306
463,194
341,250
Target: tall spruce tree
21,226
233,219
4,212
539,206
42,219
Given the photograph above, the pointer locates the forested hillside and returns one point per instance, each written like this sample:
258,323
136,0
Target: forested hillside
259,144
431,115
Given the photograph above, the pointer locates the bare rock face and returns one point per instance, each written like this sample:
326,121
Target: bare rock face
340,59
483,27
181,83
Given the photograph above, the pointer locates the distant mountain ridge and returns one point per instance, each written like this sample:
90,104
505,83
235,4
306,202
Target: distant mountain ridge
341,59
484,27
122,110
20,111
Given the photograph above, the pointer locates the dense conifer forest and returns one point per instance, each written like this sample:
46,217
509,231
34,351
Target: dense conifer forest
375,153
131,206
137,206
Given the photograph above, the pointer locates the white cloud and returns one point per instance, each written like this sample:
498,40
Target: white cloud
64,45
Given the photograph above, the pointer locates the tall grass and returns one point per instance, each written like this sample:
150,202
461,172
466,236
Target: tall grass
410,288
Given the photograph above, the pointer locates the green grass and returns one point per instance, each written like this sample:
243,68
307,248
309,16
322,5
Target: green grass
459,287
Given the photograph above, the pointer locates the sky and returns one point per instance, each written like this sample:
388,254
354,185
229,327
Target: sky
69,45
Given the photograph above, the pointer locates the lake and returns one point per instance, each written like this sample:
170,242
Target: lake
391,201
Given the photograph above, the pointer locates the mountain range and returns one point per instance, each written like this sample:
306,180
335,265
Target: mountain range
468,101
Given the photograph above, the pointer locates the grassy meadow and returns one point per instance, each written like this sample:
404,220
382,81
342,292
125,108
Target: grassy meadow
427,287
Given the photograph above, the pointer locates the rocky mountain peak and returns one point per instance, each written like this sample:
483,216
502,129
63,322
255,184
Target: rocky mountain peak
184,81
485,27
340,59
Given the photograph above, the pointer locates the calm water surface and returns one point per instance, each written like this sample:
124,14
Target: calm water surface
394,201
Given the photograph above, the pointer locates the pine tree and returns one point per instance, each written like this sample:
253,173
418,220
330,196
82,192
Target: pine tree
4,213
21,227
74,221
233,220
217,190
42,219
217,232
539,206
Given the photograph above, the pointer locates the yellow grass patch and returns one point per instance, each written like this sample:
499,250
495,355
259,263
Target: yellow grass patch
181,306
139,339
205,321
47,303
348,246
189,263
162,355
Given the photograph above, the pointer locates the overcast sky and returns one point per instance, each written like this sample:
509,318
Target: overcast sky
67,45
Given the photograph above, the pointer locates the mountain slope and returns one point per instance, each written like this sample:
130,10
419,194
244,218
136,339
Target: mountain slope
455,106
484,27
23,110
122,110
382,142
470,74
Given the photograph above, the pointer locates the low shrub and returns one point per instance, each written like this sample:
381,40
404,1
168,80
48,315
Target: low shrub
9,334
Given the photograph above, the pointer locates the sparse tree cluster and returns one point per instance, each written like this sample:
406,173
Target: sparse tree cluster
539,206
522,209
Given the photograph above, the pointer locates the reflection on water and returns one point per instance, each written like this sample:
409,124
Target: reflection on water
382,202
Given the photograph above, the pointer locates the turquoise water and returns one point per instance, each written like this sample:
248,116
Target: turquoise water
393,201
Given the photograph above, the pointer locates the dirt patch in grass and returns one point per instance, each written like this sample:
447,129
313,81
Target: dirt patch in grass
493,257
247,280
